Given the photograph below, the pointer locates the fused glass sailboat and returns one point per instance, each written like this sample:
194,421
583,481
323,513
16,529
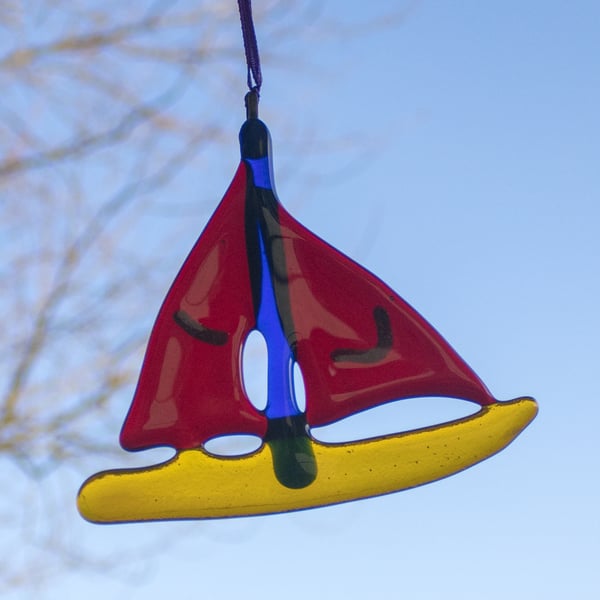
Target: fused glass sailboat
358,345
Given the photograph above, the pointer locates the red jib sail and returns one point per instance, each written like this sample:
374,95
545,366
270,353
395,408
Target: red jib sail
190,391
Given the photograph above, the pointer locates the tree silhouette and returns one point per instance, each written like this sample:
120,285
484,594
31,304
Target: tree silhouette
104,106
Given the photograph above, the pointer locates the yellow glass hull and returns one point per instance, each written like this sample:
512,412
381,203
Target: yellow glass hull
197,485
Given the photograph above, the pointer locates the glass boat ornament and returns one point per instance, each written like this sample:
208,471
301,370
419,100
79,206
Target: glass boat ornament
358,345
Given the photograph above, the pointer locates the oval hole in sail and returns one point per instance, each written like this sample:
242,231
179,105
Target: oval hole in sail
299,391
232,445
254,369
395,417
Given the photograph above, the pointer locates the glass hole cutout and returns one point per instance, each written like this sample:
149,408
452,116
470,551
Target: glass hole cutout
233,445
299,390
255,369
395,417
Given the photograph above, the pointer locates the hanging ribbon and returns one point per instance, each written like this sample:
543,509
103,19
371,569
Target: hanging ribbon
252,57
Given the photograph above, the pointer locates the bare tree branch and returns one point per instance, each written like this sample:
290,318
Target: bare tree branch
101,110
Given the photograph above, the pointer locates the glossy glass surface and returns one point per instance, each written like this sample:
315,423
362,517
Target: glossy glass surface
190,387
196,485
356,341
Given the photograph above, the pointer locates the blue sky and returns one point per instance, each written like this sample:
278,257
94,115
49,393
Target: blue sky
457,158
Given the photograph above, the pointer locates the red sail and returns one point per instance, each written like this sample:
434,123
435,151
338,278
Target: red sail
190,388
358,343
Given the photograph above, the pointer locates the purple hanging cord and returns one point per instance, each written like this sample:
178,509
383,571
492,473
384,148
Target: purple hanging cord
252,58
